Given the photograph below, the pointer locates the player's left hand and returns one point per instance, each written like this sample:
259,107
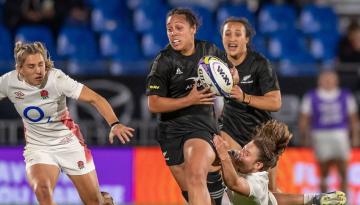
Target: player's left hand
237,93
222,147
122,132
235,75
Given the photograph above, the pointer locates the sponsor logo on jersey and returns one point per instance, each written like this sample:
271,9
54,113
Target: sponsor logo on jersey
178,71
44,94
81,164
154,87
19,95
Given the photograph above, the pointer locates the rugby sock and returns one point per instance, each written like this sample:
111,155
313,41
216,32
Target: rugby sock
308,198
185,195
215,186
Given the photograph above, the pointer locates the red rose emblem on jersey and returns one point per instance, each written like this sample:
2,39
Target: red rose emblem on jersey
44,94
81,164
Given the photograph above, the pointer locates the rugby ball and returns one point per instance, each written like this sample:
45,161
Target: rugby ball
213,72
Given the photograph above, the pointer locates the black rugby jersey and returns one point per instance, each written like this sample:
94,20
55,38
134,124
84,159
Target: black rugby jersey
172,75
256,78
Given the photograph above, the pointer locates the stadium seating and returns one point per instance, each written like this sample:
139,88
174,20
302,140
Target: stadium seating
286,44
109,15
323,46
318,18
300,64
276,18
78,46
239,10
153,41
37,33
6,50
124,31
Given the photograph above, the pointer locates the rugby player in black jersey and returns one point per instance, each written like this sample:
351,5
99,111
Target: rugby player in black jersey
251,101
187,120
256,95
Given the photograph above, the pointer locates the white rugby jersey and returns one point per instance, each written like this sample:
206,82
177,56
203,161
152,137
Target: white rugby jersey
259,191
46,118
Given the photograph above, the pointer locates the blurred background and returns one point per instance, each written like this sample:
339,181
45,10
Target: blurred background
109,45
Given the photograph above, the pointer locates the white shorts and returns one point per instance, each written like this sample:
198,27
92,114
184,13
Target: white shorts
330,145
77,161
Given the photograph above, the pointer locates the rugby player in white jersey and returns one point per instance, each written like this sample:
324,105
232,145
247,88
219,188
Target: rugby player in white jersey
53,141
253,162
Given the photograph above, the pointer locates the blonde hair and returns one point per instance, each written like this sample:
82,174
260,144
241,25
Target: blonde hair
23,50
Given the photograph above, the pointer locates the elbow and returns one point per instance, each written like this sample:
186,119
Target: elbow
153,108
277,105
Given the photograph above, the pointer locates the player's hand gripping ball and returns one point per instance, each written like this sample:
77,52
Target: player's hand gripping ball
213,72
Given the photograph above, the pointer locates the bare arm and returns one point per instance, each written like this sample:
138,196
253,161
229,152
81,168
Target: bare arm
159,104
105,110
354,124
304,128
271,101
231,178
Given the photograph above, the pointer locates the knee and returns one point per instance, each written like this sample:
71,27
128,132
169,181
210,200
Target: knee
195,176
43,192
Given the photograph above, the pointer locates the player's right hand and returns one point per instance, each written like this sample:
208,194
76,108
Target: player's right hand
201,97
122,132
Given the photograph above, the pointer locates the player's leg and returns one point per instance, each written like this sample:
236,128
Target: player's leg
232,143
87,186
324,167
42,179
331,198
342,168
198,155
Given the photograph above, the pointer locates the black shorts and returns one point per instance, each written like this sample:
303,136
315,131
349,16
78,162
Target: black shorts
172,149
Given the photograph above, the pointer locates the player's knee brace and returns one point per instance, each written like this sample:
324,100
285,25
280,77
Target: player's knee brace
215,186
185,195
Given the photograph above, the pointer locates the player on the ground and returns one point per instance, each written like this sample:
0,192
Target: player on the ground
245,171
54,142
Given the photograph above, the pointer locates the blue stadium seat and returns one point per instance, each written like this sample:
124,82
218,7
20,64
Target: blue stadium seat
206,29
276,17
78,46
300,64
153,41
112,45
286,44
260,44
37,33
323,46
6,50
318,18
108,16
240,10
146,17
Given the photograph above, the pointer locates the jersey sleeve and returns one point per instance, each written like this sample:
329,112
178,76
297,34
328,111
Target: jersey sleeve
4,85
157,80
351,104
67,86
258,189
267,77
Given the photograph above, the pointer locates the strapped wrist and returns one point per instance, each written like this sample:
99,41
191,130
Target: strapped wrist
114,123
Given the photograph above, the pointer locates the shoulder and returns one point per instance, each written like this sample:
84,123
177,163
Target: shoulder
259,58
206,45
9,75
